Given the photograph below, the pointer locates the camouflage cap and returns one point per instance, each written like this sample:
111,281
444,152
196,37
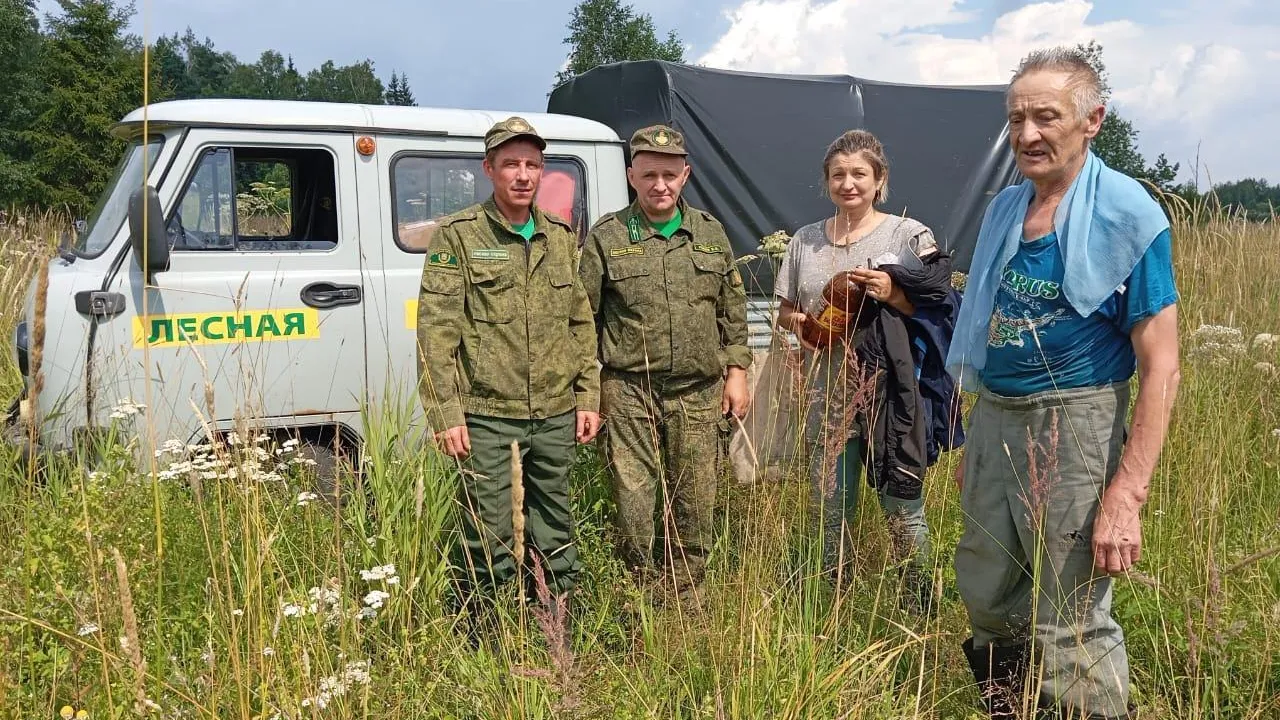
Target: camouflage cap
510,129
659,139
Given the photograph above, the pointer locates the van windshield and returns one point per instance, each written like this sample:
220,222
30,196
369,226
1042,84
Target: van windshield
113,204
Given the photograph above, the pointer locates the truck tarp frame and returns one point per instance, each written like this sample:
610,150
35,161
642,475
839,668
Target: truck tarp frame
756,143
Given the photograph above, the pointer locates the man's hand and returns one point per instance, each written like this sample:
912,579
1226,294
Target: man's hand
588,425
455,442
1117,531
736,398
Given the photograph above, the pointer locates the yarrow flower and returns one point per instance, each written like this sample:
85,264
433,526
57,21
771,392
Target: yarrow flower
306,498
1265,341
376,598
291,610
381,572
1218,342
355,673
125,408
87,629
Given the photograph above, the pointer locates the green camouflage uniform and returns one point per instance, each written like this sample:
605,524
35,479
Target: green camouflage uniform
671,315
507,348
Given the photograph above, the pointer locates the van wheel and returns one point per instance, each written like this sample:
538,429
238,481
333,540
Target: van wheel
323,469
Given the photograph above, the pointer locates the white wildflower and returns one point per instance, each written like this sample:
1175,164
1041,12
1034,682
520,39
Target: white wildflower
291,610
1265,368
306,498
87,629
1276,433
380,572
1265,341
329,596
371,541
376,598
238,612
366,613
356,673
96,476
1219,342
268,651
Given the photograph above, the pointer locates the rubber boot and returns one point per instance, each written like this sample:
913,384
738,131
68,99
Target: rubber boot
999,672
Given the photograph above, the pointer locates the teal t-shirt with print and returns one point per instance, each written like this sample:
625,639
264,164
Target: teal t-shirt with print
1037,342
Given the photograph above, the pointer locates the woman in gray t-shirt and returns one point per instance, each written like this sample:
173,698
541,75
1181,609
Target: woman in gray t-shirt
839,390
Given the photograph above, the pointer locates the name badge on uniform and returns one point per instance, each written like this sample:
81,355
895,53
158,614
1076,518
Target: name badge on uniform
490,254
629,250
708,248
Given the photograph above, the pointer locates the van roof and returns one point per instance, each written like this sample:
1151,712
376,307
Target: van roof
306,115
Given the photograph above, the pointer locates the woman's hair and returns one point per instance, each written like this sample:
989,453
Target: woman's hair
861,141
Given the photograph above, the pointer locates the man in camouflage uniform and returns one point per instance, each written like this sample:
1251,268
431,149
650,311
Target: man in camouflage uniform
507,353
671,313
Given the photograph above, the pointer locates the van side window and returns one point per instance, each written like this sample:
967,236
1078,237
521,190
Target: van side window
426,187
258,199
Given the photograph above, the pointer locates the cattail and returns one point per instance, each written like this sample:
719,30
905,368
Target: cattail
517,503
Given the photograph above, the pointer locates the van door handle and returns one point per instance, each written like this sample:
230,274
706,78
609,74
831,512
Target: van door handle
327,295
99,303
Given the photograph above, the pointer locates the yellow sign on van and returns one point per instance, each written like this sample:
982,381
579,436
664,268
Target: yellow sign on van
411,314
226,327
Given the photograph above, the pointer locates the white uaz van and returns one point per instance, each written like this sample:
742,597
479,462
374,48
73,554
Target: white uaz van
262,259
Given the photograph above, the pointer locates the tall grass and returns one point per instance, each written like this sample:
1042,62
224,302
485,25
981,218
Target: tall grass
265,602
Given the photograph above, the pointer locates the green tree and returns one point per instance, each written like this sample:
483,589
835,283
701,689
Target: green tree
1254,198
269,78
398,92
1117,141
350,83
89,78
20,42
607,31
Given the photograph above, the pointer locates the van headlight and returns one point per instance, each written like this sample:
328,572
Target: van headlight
20,342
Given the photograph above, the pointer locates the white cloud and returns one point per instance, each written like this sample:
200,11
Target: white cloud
1183,80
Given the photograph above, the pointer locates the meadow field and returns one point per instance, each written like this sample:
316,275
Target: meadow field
217,588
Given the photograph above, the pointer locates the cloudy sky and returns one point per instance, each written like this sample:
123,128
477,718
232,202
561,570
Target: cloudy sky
1195,76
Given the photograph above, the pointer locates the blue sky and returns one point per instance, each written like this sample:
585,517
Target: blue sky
1195,76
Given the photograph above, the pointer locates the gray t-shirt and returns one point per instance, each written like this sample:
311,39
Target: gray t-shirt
811,260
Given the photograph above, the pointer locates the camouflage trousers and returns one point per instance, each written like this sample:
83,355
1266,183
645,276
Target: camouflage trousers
653,439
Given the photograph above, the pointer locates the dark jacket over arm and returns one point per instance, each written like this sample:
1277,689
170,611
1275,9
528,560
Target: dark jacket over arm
903,441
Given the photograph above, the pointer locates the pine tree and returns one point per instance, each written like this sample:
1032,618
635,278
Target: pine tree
20,45
89,79
398,92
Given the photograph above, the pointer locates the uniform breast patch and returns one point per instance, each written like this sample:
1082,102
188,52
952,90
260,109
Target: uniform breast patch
443,260
490,254
628,250
708,248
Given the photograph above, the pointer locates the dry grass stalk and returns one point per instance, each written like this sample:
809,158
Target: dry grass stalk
517,503
131,638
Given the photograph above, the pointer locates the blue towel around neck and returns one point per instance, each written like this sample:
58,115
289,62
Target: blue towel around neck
1105,223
